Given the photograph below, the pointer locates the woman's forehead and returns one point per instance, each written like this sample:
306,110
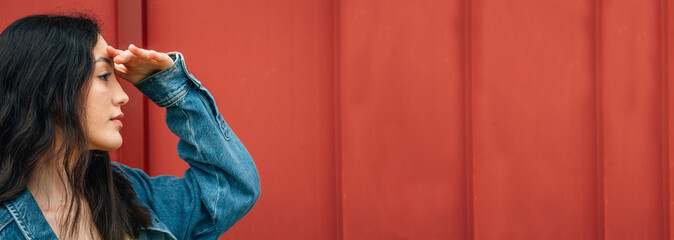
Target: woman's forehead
100,48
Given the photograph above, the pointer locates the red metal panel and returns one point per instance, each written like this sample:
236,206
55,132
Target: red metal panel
134,150
633,119
443,120
104,9
403,99
668,15
269,65
534,120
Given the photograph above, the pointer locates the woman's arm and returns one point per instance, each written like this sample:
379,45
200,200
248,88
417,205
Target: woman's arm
222,183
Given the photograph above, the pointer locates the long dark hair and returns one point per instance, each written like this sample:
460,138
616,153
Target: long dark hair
46,62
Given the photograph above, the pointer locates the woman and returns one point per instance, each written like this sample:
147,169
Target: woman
60,112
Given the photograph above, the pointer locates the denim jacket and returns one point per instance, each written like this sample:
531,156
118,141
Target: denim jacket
218,189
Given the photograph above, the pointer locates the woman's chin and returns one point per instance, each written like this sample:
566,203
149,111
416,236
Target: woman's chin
108,146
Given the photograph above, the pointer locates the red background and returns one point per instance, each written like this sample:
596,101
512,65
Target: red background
429,119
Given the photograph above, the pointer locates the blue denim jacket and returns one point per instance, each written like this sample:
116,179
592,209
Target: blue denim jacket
219,188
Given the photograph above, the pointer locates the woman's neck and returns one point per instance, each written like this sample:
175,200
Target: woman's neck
53,195
49,188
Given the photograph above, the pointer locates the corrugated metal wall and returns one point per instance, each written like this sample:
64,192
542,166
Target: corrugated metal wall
428,119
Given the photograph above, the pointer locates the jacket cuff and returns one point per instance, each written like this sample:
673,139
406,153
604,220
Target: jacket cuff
170,85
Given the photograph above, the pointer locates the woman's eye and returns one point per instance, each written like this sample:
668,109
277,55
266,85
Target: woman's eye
104,76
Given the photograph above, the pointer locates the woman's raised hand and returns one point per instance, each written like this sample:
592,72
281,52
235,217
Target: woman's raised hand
136,64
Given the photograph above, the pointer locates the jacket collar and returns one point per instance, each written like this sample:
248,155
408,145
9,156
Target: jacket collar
29,217
33,225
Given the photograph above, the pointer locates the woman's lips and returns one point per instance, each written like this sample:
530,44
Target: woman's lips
118,119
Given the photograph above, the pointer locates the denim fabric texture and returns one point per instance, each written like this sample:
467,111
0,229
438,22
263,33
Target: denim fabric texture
219,188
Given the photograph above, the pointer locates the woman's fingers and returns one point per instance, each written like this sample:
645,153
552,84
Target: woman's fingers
120,69
161,60
113,52
124,57
139,52
135,64
155,55
135,52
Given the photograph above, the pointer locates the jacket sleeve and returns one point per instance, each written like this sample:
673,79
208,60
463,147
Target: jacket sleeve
222,183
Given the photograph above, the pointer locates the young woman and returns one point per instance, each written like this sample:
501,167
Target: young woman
60,112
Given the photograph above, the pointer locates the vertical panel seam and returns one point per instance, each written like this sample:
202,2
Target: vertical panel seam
337,107
468,112
123,13
599,118
143,17
146,135
145,101
664,45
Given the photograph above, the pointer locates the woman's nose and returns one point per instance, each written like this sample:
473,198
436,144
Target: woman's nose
120,97
124,99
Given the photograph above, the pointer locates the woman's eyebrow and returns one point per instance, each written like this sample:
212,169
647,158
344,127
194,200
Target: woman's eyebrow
104,59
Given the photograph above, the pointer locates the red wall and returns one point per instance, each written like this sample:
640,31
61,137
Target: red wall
424,119
270,67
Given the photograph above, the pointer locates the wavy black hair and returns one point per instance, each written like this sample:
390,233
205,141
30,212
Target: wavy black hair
46,63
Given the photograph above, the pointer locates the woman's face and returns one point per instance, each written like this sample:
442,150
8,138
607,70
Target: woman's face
104,102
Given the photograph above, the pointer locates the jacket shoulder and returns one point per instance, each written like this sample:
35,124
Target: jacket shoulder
6,221
5,217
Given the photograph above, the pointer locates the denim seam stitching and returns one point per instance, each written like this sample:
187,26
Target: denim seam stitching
225,130
14,212
205,230
173,100
210,103
166,72
187,73
5,221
